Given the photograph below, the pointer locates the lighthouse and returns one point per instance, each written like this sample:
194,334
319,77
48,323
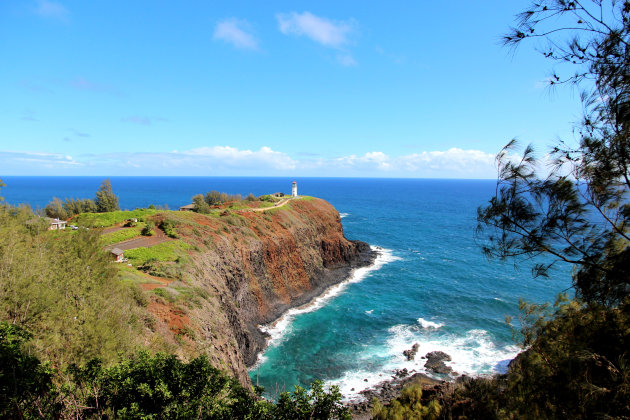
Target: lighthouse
294,189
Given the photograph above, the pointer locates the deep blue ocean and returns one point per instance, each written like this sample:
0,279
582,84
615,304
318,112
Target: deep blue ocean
431,284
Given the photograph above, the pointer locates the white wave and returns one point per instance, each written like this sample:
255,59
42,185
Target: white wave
342,215
369,312
473,354
281,326
429,324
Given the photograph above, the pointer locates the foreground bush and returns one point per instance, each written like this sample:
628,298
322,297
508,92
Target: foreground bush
144,386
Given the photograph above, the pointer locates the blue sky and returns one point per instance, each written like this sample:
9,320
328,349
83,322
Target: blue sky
269,88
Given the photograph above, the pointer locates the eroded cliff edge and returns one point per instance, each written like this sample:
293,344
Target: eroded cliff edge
245,269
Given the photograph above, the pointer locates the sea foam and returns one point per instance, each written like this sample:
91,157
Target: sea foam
342,215
282,325
473,353
429,324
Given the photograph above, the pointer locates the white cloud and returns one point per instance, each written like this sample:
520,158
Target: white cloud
334,34
52,10
452,163
233,157
228,160
236,32
453,159
47,159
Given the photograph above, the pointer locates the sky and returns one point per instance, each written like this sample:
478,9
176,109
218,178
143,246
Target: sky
270,88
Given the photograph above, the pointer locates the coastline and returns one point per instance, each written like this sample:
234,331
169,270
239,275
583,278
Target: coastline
328,280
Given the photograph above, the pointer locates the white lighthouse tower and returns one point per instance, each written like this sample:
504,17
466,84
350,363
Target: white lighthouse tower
294,189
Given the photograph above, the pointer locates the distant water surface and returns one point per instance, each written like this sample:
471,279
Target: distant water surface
431,284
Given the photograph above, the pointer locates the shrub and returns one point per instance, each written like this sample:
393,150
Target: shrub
147,230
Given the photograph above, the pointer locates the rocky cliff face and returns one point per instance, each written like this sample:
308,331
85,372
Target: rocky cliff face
249,267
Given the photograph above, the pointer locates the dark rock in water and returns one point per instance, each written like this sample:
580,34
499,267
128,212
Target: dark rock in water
401,373
435,362
438,355
411,353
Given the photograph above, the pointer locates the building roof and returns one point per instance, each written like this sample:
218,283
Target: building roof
55,221
189,206
117,251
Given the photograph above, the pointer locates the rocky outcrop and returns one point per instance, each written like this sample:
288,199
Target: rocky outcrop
435,362
250,267
411,353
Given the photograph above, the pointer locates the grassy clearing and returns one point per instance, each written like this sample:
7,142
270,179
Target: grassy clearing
121,235
164,252
111,218
130,275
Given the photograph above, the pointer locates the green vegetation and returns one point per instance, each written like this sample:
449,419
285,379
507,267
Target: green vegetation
575,359
71,207
268,198
120,235
407,406
105,199
313,404
111,218
147,230
143,386
164,252
204,202
168,226
65,290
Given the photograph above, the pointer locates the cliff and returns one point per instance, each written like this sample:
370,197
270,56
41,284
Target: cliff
244,268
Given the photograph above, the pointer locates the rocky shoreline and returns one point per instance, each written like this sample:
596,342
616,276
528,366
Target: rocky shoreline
385,392
329,277
388,390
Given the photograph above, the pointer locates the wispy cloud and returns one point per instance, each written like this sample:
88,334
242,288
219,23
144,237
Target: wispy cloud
326,32
48,159
228,160
236,32
334,34
234,157
51,10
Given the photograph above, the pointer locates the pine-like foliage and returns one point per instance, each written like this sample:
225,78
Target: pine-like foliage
105,199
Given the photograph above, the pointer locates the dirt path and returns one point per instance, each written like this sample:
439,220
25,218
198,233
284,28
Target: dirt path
147,241
275,206
112,229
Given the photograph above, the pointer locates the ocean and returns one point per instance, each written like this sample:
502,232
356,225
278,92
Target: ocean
430,285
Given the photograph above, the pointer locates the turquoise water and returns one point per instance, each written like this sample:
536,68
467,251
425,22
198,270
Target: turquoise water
430,285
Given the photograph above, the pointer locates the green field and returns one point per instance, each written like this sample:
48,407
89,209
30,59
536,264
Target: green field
164,252
111,218
121,235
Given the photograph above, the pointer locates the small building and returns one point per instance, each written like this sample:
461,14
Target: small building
56,224
118,254
189,207
294,189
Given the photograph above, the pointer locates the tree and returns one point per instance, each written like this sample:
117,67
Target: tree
579,212
105,198
574,363
313,404
25,384
55,209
